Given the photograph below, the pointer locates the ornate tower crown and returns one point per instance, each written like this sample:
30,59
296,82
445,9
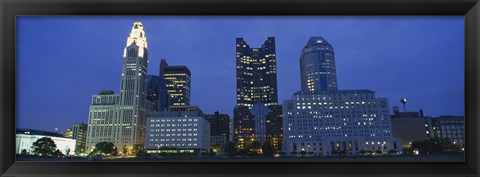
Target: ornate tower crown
137,37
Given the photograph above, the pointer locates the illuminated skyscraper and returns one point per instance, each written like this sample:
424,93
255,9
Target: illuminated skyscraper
256,74
121,118
177,84
256,85
317,66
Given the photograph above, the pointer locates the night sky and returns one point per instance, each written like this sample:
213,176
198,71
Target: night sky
63,61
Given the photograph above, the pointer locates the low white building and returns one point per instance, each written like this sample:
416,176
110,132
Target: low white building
26,138
341,121
181,129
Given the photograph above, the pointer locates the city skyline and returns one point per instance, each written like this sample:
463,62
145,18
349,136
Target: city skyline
287,63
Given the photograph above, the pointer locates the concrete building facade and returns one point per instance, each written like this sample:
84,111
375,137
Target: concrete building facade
177,130
331,122
26,137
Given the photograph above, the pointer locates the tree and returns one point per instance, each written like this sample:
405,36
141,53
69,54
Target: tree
104,148
230,149
369,152
303,153
268,149
254,147
362,152
24,152
68,152
139,150
58,153
294,153
125,150
392,151
44,147
334,152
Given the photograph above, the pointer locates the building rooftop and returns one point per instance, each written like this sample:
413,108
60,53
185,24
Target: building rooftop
314,40
37,132
306,92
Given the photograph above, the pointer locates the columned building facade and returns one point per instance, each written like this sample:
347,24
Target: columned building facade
335,122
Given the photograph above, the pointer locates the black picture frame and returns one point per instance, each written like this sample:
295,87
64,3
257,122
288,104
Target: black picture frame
11,8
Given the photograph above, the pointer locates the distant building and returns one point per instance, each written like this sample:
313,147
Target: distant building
330,122
219,130
450,127
79,133
177,84
260,123
181,129
68,133
153,91
274,122
164,97
317,66
26,137
244,125
410,126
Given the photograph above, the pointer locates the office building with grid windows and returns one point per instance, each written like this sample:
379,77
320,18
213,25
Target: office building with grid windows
180,129
338,122
177,85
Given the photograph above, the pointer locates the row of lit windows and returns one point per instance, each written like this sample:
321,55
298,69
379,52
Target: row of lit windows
175,145
174,120
173,130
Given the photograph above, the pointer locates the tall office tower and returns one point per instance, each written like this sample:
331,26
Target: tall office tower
121,118
317,66
177,83
336,122
164,97
79,132
153,91
256,73
219,130
256,83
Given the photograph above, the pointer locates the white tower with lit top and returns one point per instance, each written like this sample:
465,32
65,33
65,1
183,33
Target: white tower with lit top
120,119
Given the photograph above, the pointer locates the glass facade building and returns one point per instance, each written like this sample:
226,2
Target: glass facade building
177,84
256,73
317,66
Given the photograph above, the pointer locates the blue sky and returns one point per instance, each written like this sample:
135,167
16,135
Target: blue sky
63,61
